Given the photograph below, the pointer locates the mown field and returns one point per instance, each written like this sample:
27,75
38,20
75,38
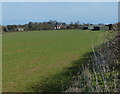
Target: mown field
43,60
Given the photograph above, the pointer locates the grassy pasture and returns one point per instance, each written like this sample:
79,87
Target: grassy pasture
43,60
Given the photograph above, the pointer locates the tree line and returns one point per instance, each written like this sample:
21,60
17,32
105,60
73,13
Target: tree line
50,25
32,26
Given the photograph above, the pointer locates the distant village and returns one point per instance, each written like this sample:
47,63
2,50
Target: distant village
55,25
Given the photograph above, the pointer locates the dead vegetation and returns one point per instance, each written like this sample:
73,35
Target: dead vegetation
101,74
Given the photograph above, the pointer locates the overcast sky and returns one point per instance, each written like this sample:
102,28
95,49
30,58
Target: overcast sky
85,12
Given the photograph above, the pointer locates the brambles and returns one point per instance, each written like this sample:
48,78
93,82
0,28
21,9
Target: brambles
103,66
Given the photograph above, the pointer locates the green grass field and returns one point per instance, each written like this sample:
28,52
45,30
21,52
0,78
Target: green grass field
43,60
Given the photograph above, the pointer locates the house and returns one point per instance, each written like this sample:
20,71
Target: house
60,25
5,29
20,29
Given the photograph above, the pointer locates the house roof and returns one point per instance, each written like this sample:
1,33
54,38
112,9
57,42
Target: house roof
60,25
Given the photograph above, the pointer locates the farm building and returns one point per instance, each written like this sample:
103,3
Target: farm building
90,27
104,28
96,28
85,28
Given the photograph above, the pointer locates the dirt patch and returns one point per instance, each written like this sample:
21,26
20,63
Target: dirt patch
19,50
33,69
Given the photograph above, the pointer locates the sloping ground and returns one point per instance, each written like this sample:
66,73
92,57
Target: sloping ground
101,73
44,60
